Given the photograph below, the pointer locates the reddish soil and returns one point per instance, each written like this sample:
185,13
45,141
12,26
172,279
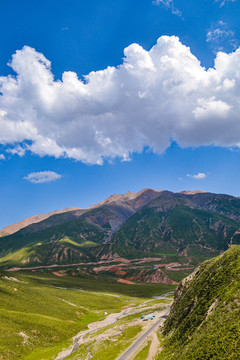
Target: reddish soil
158,277
113,269
182,268
120,272
60,273
126,282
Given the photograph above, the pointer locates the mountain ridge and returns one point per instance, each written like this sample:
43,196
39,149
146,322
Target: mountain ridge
178,227
126,199
12,228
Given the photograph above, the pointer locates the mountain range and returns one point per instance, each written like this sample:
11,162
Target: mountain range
185,227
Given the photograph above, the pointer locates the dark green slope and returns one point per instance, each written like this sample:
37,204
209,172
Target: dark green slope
58,244
102,215
175,225
220,203
52,221
66,242
204,322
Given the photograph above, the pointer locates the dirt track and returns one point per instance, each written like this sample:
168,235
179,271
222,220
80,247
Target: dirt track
80,338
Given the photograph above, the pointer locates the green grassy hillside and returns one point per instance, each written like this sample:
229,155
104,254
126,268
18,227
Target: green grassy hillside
64,243
41,312
58,244
204,319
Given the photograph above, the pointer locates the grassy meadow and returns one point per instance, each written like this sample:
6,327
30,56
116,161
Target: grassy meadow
40,312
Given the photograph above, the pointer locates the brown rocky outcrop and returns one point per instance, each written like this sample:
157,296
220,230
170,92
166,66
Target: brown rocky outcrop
131,200
154,277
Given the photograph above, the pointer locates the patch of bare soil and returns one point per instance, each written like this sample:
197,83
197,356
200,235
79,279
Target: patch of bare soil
59,273
128,282
121,272
67,302
154,347
10,278
25,261
25,337
178,267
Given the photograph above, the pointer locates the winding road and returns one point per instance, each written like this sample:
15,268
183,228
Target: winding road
138,342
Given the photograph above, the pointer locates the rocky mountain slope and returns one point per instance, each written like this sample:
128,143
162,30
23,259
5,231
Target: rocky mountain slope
131,201
187,227
67,236
178,225
204,318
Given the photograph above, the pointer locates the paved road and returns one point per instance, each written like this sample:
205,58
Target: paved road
137,343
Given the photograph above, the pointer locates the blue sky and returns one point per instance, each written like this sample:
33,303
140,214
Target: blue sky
143,122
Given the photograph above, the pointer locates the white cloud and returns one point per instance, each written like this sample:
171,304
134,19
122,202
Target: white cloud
220,37
18,149
198,176
224,2
42,177
168,4
154,96
2,157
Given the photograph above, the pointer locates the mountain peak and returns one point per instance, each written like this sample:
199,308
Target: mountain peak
130,199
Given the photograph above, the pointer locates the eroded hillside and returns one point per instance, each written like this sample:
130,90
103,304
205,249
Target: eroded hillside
204,318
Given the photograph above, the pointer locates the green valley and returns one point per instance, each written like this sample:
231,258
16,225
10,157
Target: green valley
41,312
81,284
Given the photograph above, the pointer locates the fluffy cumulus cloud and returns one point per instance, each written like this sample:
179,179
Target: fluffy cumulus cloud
152,98
198,176
42,177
